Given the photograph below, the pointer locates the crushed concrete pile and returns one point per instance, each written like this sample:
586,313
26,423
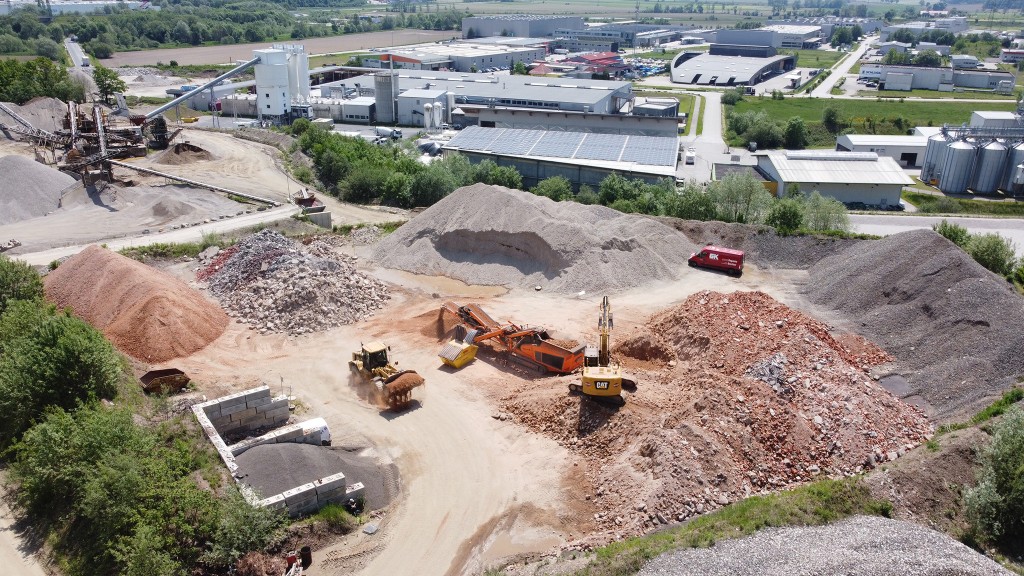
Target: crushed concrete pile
737,395
277,285
43,113
953,326
492,235
29,189
147,314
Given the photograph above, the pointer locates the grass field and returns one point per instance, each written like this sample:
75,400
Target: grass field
815,58
934,94
856,111
931,204
338,59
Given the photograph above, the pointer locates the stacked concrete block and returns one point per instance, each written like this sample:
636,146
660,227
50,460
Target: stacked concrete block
301,499
245,411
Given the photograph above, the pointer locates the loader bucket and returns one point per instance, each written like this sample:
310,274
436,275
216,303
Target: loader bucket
398,389
457,353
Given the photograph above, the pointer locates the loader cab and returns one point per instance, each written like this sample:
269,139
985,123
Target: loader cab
375,355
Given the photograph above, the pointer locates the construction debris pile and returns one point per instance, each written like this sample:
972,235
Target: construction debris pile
738,395
277,285
928,310
29,189
147,314
522,240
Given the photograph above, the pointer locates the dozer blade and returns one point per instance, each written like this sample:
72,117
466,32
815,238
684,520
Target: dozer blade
398,389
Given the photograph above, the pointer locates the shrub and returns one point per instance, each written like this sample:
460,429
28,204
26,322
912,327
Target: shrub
822,214
242,528
955,233
995,506
586,195
694,204
993,252
558,188
18,281
786,216
731,97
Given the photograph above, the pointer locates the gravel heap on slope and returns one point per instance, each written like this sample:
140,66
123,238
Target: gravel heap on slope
953,326
43,113
862,545
277,285
29,189
492,235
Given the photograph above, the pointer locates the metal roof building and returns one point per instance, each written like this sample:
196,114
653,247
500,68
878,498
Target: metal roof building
582,157
863,177
459,56
708,69
908,151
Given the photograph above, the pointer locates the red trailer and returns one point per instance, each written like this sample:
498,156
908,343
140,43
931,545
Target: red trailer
718,258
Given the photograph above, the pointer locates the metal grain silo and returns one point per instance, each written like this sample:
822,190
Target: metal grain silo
956,167
989,168
1015,157
934,155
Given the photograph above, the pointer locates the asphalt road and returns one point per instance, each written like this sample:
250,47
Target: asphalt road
886,225
841,69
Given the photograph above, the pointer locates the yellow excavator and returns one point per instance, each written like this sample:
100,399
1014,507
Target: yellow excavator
602,378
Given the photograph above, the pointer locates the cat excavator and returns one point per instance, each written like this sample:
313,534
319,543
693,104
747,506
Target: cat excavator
602,378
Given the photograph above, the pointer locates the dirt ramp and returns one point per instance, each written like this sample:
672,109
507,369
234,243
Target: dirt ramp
953,326
492,235
146,313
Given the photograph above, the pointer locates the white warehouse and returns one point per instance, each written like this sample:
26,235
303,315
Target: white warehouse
863,177
908,151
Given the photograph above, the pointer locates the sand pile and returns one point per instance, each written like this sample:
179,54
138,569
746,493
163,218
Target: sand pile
146,313
29,189
183,153
737,395
43,113
278,285
492,235
953,326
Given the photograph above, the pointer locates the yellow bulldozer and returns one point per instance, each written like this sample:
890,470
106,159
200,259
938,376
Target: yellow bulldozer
602,379
387,386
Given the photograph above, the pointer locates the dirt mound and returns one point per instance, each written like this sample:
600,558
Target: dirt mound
183,153
647,348
29,189
496,236
761,397
954,326
42,113
146,313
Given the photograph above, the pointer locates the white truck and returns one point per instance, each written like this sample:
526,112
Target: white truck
691,155
385,132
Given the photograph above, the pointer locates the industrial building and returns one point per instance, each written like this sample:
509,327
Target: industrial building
615,35
709,69
632,124
1011,55
863,177
908,151
778,36
518,25
954,24
984,157
995,119
454,56
942,79
581,157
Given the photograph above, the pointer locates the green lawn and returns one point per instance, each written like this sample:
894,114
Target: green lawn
931,204
935,94
339,59
856,111
815,58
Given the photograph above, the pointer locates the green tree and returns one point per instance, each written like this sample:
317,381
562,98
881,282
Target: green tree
558,188
99,49
10,44
955,233
740,198
431,185
615,187
506,176
823,214
795,136
144,555
181,32
786,215
929,58
993,252
243,528
996,505
731,97
832,120
397,190
897,58
693,203
18,281
586,195
48,49
107,82
520,69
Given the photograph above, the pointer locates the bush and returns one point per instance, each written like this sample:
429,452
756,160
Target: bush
558,188
731,97
18,281
242,528
586,195
943,205
786,216
993,252
694,204
995,506
823,214
955,233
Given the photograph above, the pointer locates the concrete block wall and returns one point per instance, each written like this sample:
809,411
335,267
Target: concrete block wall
309,432
245,411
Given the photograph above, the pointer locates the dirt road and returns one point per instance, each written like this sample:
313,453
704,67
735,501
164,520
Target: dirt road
241,52
15,559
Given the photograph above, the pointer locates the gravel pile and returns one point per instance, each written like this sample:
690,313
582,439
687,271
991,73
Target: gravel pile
953,326
274,468
863,545
492,235
29,189
146,313
43,113
277,285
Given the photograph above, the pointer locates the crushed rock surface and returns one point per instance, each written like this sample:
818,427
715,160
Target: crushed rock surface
862,545
492,235
29,189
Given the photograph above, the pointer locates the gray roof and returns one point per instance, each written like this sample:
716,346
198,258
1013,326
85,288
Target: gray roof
741,68
653,154
519,17
832,167
511,86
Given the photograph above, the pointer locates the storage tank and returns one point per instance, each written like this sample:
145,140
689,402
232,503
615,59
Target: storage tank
1017,182
451,106
1015,157
428,116
272,82
438,114
934,154
956,168
989,168
385,88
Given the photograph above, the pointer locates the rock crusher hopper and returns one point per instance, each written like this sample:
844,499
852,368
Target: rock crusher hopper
529,346
390,387
602,378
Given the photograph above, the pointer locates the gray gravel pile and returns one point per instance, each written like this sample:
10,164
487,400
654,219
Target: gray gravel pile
277,285
29,189
953,326
863,545
43,113
274,468
492,235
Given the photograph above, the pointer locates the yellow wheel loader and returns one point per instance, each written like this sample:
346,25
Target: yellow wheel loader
389,387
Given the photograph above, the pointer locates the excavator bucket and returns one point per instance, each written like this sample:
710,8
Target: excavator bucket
398,389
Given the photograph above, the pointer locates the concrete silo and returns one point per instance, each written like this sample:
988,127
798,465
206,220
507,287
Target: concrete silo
989,168
956,167
385,89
